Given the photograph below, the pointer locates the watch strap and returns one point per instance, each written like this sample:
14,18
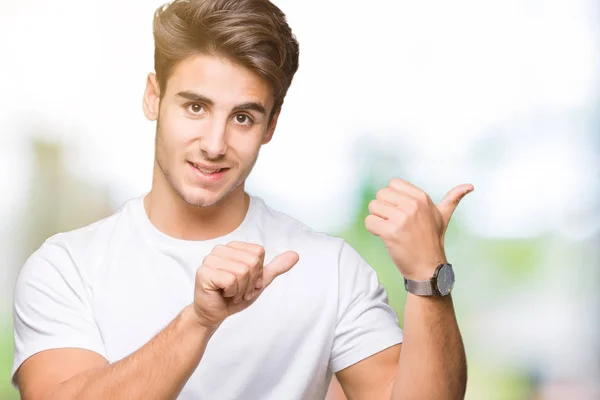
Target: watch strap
420,288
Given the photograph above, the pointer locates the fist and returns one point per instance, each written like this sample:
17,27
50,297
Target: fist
232,277
412,227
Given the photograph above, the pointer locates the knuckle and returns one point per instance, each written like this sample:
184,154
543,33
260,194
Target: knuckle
259,250
203,274
372,205
243,269
423,197
369,221
231,280
400,219
209,259
412,205
394,182
381,194
218,248
256,261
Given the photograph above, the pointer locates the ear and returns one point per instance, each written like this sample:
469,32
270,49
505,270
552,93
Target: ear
151,97
272,125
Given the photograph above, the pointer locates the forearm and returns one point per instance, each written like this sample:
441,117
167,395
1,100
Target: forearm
432,362
158,370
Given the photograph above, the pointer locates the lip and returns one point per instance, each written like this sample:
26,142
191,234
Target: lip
208,167
207,178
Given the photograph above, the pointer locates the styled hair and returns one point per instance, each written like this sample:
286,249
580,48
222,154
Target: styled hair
251,33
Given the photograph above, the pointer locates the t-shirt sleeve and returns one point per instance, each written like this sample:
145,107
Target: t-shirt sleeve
52,307
366,323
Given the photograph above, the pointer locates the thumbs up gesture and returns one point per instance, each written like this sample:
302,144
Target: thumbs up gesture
412,227
232,277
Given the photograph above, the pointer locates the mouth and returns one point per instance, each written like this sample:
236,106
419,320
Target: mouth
208,174
208,170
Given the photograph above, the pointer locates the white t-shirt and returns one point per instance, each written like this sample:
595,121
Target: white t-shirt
111,286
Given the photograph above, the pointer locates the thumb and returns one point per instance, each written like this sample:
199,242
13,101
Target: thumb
451,200
279,265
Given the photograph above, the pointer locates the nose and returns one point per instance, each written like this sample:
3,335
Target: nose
213,144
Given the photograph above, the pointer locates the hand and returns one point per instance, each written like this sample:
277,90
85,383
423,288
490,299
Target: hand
232,277
412,227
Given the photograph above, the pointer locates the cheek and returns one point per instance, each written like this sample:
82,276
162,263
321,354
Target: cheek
246,149
177,131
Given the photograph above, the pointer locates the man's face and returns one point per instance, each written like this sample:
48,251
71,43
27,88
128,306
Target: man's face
213,115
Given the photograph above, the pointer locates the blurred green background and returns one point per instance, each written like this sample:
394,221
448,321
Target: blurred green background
501,94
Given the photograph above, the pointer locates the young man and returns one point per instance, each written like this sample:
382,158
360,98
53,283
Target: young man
199,290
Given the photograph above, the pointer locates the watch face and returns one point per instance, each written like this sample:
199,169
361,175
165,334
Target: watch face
445,280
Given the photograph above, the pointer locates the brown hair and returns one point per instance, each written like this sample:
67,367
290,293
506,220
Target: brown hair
252,33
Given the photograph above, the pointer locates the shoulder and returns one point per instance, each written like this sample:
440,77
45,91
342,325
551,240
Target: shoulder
83,239
72,252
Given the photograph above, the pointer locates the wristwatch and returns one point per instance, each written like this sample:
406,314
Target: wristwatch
439,285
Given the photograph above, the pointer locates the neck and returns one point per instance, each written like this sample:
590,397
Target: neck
171,215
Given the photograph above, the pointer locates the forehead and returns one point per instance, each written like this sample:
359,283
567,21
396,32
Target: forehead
219,79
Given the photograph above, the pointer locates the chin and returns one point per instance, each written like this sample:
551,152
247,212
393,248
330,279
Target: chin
198,197
202,197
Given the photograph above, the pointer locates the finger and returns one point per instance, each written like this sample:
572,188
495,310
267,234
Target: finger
247,255
376,225
257,285
254,258
260,281
247,246
242,272
390,196
451,200
279,265
215,279
403,186
239,270
383,210
214,262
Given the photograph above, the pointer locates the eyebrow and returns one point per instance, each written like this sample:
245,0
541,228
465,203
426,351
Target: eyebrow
251,105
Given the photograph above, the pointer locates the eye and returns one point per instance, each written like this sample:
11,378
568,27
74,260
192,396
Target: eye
195,108
243,119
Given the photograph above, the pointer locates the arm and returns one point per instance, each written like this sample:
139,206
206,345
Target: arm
433,361
335,390
231,278
432,365
158,370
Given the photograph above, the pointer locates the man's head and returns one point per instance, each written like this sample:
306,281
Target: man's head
223,68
